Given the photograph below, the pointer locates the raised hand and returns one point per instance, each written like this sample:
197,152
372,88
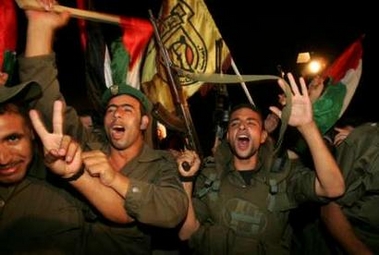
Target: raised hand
62,152
47,4
46,15
301,105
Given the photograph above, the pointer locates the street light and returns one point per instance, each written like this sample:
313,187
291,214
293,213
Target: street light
310,64
314,66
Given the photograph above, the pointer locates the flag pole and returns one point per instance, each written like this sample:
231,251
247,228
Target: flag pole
222,106
75,12
243,84
181,106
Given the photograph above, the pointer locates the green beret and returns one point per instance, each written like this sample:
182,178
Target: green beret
125,89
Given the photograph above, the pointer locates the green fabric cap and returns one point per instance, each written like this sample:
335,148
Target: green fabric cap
125,89
25,91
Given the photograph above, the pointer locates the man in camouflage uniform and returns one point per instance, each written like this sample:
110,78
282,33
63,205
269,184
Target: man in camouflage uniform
133,189
241,203
353,220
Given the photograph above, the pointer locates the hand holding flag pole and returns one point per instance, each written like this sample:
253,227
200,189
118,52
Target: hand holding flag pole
177,93
75,12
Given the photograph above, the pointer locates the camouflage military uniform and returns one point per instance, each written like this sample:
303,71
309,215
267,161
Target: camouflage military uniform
358,157
237,218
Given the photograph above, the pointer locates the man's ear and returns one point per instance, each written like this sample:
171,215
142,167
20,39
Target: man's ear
264,136
144,122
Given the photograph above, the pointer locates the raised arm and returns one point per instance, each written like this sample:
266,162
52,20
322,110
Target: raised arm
329,180
41,29
63,156
38,62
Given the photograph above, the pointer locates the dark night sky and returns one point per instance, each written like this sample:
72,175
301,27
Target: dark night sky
262,41
260,36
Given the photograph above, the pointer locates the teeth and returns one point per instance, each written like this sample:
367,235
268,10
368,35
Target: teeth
8,166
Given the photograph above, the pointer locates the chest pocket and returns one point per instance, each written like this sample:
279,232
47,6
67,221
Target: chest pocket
211,187
244,218
278,199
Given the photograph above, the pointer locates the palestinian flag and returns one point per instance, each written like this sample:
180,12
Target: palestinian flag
128,52
113,62
8,36
343,77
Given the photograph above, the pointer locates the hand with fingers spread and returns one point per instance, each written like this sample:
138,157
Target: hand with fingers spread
62,153
301,109
127,183
329,180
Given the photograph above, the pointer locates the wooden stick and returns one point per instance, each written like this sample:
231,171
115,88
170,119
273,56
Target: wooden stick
75,12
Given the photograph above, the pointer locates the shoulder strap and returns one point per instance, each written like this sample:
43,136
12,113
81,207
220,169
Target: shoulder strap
276,174
208,185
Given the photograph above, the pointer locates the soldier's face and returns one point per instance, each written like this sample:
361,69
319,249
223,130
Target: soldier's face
16,147
245,132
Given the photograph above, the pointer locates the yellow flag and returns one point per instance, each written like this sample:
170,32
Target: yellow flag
189,34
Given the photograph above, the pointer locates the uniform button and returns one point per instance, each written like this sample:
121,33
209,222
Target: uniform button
135,190
2,203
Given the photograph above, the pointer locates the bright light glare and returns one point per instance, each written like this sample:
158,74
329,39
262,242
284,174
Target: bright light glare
314,67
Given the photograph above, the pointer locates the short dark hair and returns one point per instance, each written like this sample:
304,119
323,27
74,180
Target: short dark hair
246,105
16,108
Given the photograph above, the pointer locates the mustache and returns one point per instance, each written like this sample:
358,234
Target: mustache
8,165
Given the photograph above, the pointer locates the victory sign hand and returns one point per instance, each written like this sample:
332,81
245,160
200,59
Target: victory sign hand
62,152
